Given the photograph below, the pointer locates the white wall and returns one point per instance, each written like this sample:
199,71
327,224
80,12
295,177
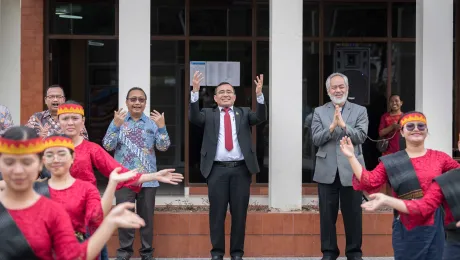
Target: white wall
10,56
434,66
134,48
285,104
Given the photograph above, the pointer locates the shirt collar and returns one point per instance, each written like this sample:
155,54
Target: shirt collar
143,117
221,109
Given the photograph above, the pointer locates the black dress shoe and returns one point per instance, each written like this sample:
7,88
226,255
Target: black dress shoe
329,258
147,257
355,258
217,257
237,258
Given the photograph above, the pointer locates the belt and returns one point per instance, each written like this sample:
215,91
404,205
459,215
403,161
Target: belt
453,235
229,164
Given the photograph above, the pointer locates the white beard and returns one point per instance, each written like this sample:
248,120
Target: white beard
338,101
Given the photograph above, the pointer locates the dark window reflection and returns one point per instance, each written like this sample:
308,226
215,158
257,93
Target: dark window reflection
355,20
403,20
167,17
310,96
167,73
82,17
218,51
377,90
403,70
310,18
220,18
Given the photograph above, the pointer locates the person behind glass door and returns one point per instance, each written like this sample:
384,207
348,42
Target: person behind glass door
333,174
227,160
389,127
133,136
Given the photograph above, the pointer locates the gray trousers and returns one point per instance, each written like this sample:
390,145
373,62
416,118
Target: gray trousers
145,206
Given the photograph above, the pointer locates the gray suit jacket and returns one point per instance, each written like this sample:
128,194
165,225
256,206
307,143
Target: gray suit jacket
329,157
209,119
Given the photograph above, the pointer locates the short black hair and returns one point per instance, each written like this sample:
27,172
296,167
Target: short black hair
135,88
55,86
224,83
61,135
394,95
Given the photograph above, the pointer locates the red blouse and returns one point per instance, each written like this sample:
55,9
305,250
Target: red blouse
48,229
385,121
427,167
89,155
83,204
427,205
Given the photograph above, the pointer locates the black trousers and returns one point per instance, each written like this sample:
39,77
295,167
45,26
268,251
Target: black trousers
145,206
350,205
228,185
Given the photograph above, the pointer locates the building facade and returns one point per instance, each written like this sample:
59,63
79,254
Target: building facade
97,50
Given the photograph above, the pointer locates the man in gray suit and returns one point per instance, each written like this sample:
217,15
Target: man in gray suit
228,160
333,173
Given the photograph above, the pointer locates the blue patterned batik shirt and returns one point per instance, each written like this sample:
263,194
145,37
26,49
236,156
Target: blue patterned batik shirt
134,144
5,119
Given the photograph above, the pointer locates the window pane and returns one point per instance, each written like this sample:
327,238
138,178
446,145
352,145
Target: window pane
310,18
403,20
403,70
167,73
221,18
218,51
82,17
377,83
310,95
167,17
355,20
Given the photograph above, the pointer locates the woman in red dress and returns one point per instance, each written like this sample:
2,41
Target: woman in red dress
410,173
389,127
80,198
89,155
33,226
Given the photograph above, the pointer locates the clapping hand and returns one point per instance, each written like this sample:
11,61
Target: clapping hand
119,117
347,147
259,84
158,118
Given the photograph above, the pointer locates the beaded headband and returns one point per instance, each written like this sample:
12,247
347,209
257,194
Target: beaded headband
70,109
58,141
20,147
412,117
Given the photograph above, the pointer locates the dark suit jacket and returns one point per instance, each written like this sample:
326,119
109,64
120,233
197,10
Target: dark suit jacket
209,118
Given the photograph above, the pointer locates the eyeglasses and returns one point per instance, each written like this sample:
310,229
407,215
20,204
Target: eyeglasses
54,97
60,157
134,99
411,126
222,92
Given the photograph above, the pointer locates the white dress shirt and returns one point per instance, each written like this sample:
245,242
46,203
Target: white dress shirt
222,154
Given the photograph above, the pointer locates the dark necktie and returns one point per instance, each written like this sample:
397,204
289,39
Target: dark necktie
228,130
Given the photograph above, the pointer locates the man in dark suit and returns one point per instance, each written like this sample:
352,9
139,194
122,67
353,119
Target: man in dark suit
227,160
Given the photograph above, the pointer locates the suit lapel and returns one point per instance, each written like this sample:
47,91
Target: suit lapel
346,112
217,121
237,114
331,111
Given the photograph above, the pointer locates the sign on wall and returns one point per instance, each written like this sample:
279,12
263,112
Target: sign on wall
215,72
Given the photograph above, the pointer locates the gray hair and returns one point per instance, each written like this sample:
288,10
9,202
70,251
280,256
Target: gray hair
328,80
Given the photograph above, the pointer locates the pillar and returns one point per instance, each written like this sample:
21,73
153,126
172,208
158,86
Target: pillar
285,105
434,68
10,57
134,48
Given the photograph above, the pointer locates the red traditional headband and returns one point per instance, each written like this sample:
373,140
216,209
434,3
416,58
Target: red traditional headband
70,109
412,117
58,141
32,146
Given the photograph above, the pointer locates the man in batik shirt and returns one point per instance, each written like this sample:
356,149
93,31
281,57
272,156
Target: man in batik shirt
5,119
133,136
45,122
